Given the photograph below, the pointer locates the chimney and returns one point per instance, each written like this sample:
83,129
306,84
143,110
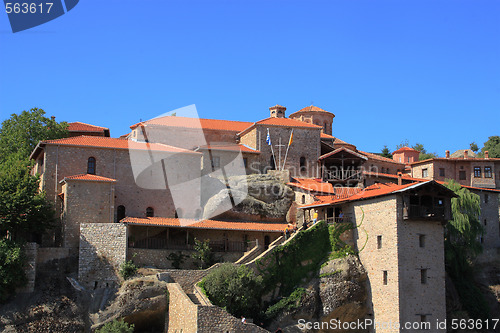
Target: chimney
466,154
486,154
400,178
277,111
447,154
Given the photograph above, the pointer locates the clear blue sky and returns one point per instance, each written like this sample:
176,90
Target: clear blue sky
426,71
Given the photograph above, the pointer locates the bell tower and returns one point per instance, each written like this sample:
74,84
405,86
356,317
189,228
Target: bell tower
277,111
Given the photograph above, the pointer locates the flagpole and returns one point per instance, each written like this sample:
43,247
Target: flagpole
279,156
270,144
287,148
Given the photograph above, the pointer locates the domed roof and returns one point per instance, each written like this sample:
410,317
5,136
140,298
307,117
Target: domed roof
311,108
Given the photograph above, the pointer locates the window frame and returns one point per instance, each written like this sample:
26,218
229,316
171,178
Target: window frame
425,173
460,173
477,172
487,172
91,165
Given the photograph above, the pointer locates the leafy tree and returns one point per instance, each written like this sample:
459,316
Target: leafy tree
23,208
404,143
386,152
117,326
203,253
462,245
474,147
11,268
236,288
128,269
492,146
22,132
424,155
177,259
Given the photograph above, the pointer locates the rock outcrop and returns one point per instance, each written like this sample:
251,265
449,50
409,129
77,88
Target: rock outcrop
339,294
257,198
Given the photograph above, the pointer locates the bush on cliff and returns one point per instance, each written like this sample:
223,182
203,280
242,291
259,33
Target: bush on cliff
117,326
11,269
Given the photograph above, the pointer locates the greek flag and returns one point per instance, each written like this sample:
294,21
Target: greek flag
268,139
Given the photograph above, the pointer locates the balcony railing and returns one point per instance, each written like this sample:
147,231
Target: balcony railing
426,212
346,218
342,174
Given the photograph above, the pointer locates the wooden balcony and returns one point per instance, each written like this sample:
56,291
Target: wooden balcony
418,212
180,244
341,175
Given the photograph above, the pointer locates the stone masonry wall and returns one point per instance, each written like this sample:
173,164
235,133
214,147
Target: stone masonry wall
103,248
31,252
379,220
182,313
214,319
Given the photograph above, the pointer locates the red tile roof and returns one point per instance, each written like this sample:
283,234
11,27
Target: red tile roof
113,143
380,158
338,150
327,136
230,147
387,175
311,108
285,122
82,127
472,187
185,122
402,149
457,159
91,178
207,224
313,185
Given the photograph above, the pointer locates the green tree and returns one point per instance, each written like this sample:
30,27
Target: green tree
116,326
386,152
22,132
236,288
203,253
11,268
473,146
462,245
492,146
23,208
424,155
405,143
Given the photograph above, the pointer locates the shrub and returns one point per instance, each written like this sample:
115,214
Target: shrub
237,289
117,326
12,274
176,259
288,303
203,253
128,269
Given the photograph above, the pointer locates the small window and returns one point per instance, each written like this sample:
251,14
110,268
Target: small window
150,212
408,159
421,240
379,242
486,198
91,166
423,276
485,222
303,199
487,172
245,162
302,164
425,173
441,172
215,162
385,277
387,170
481,239
462,175
382,170
120,213
477,172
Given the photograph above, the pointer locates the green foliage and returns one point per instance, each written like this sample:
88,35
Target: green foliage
11,268
176,259
294,261
492,146
203,253
22,132
23,209
237,289
386,152
474,147
462,246
117,326
128,269
288,303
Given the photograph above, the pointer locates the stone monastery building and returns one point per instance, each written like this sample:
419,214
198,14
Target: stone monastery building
146,193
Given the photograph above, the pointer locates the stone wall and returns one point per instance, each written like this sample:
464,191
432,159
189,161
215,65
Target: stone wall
31,252
490,218
46,254
103,248
182,312
214,319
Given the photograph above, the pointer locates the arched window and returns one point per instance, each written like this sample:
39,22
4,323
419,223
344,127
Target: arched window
325,126
91,166
271,162
120,213
303,199
302,164
150,212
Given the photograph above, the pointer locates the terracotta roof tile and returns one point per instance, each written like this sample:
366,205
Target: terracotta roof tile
402,149
87,177
313,185
207,224
311,108
338,150
387,175
113,143
327,136
209,124
82,127
380,158
285,122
